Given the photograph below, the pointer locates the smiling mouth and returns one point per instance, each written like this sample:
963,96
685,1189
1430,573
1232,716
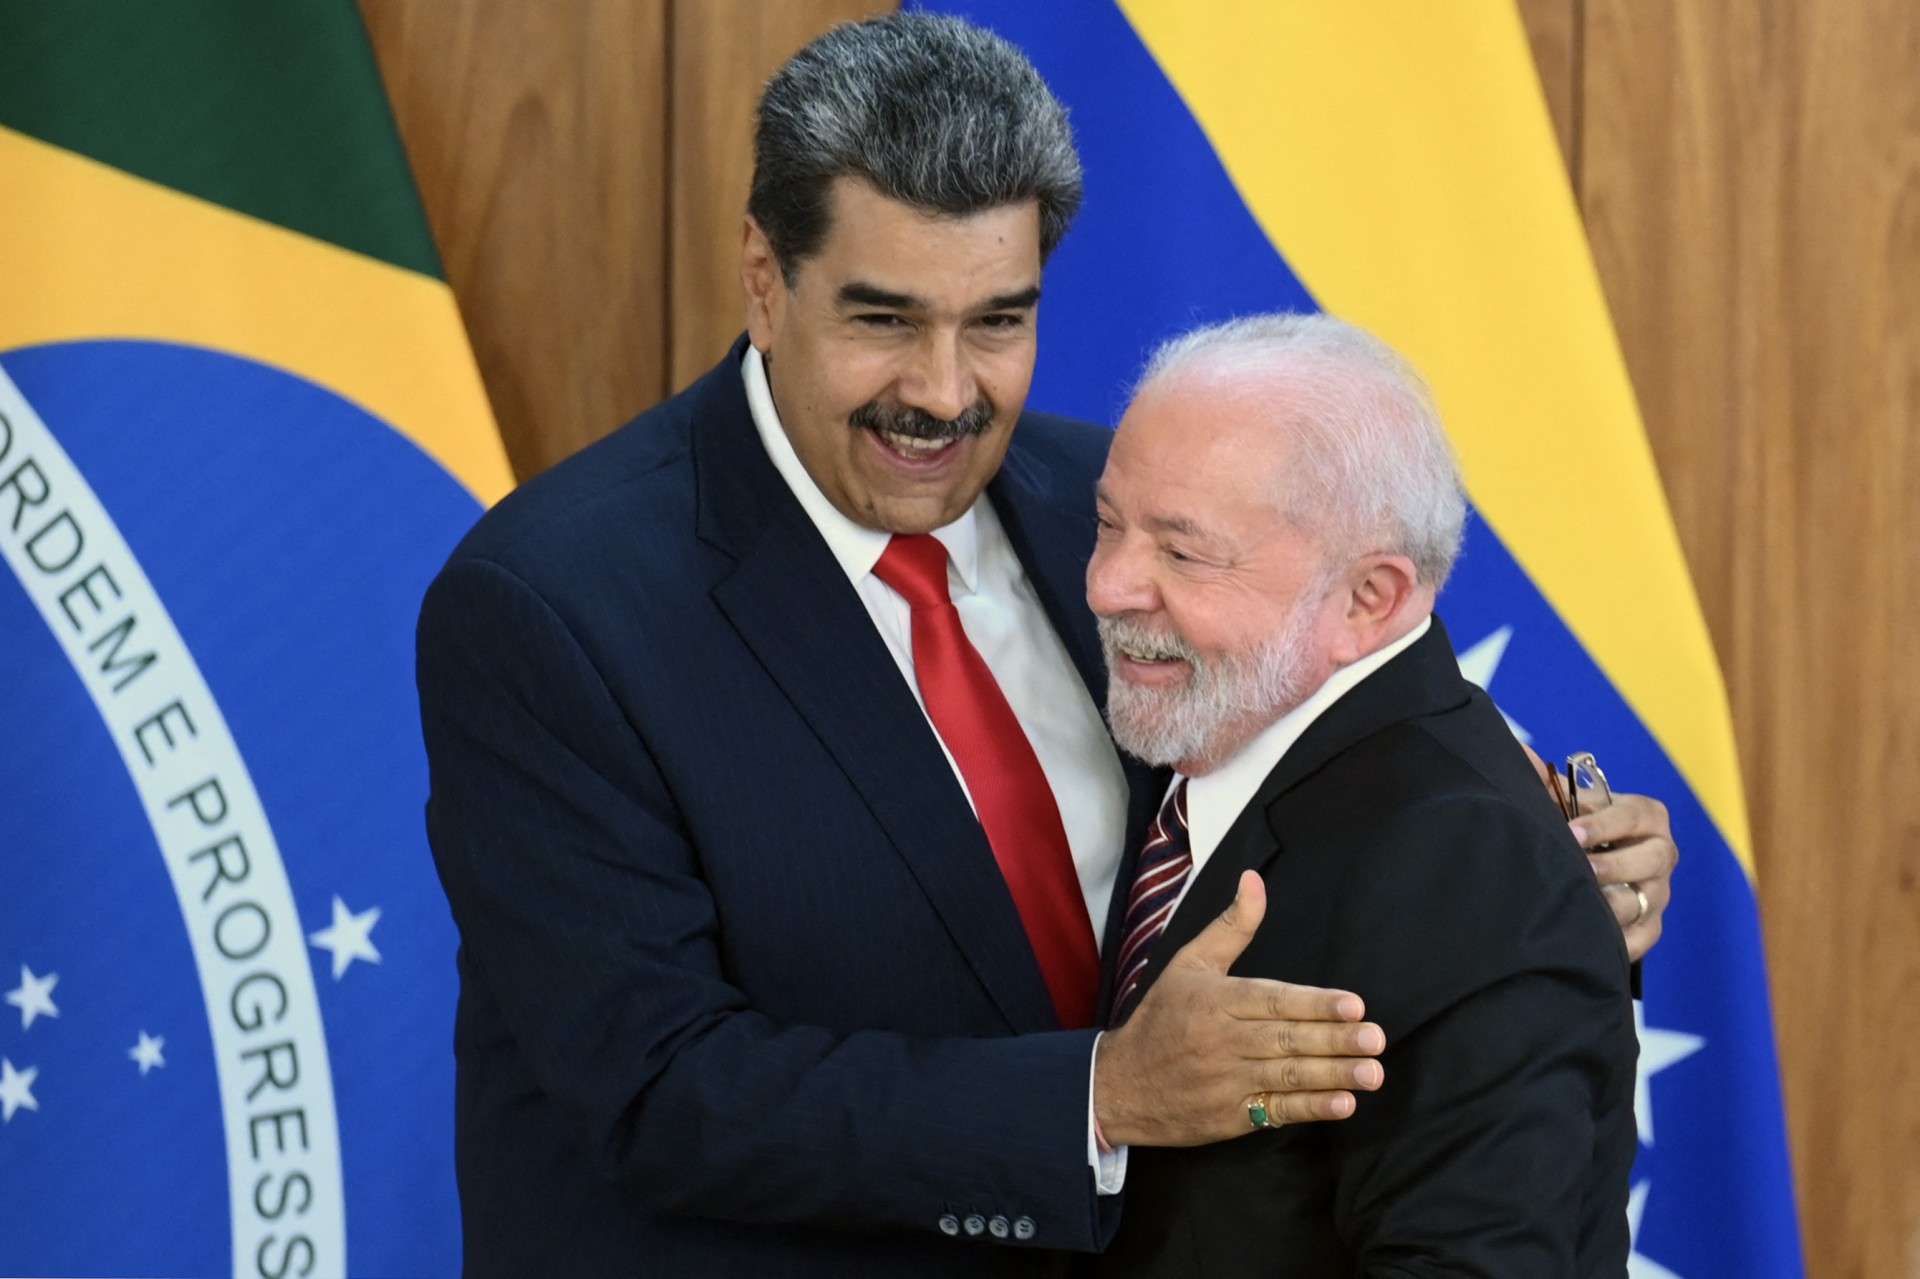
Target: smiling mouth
916,448
915,435
1130,667
1131,645
1144,648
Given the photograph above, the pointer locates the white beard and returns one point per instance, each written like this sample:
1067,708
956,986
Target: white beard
1188,722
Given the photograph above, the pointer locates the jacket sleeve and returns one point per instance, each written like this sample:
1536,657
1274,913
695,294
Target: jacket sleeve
1504,1119
582,908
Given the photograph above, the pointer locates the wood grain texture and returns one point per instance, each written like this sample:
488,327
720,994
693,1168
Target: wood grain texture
1751,182
723,51
1553,32
538,136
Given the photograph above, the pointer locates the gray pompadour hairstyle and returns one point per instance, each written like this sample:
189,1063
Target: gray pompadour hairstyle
1373,470
932,111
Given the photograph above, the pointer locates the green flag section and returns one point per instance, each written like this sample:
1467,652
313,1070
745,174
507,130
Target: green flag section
1392,163
270,109
240,427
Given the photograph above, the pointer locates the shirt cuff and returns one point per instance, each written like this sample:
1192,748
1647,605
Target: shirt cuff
1109,1165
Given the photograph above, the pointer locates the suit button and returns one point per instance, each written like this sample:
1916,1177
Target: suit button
997,1227
1023,1228
974,1223
949,1225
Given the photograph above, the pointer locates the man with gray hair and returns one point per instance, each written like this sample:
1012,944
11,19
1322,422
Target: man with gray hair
1277,515
771,791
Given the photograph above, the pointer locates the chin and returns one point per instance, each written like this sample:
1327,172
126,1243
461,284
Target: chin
900,519
1155,727
917,513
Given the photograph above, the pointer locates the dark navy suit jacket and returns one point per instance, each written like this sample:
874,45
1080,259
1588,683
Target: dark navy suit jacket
742,989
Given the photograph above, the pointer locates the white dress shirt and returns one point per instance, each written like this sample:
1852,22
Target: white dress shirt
1006,623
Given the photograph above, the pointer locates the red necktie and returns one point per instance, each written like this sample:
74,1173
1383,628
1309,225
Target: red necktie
1009,790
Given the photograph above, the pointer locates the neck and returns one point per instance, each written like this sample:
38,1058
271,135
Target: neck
1234,738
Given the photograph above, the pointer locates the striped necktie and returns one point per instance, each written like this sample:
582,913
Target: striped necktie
1165,863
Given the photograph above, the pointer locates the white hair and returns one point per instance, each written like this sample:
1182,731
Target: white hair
1371,469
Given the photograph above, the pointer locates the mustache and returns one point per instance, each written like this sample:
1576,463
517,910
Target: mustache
1126,633
918,424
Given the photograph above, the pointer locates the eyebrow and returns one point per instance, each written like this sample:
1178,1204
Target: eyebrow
860,293
1158,523
1020,300
1173,524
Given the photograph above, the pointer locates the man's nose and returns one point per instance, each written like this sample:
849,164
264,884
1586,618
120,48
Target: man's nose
1117,580
941,380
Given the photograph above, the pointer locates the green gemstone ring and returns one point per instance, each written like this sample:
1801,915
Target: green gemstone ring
1257,1112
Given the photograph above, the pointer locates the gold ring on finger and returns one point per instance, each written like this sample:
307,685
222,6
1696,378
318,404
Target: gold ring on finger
1258,1113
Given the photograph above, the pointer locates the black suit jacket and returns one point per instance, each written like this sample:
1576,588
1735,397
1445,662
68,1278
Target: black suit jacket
1411,856
742,989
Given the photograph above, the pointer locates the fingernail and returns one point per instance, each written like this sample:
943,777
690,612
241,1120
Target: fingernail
1367,1074
1350,1009
1593,864
1371,1040
1579,833
1341,1106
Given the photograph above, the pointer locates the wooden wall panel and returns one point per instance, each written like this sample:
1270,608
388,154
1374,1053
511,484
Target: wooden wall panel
1751,182
538,135
723,51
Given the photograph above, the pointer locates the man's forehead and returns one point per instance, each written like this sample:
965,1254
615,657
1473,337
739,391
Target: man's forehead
1233,421
1167,502
1194,458
850,192
888,246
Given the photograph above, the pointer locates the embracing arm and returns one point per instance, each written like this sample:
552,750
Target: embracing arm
589,917
584,913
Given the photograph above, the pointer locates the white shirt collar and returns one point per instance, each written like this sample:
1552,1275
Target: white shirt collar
855,546
1214,800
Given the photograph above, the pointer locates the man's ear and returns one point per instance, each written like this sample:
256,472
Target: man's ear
1380,591
765,286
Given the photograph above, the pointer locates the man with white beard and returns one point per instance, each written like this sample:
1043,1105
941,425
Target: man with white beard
1278,513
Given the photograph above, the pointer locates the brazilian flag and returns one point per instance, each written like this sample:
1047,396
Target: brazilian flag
240,427
1392,163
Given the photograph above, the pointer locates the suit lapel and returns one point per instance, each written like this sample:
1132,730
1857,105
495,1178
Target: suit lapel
1052,531
792,605
1423,680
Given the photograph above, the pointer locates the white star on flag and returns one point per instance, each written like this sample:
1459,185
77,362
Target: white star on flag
16,1089
33,996
1639,1267
1478,665
349,937
147,1051
1658,1050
